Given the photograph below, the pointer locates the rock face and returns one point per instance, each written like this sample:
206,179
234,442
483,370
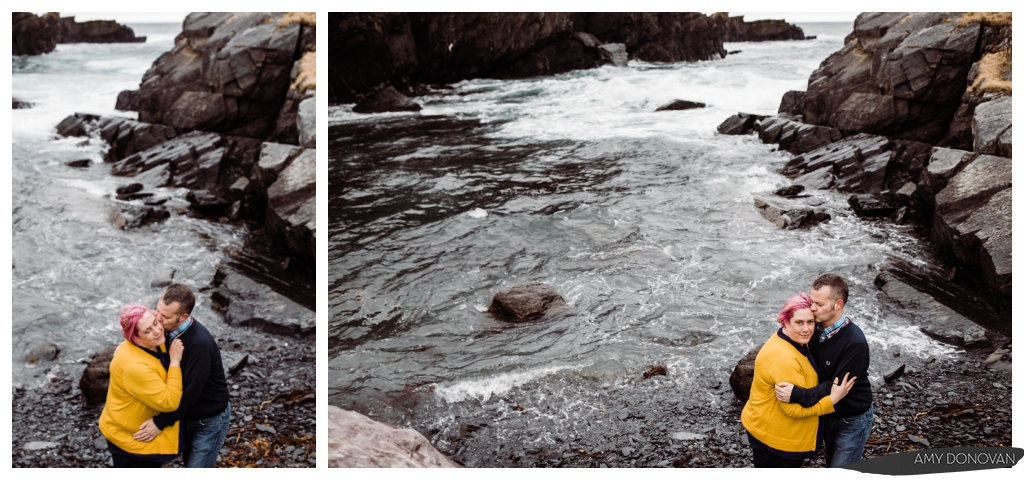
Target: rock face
245,302
370,50
355,441
228,73
739,124
935,319
742,376
291,204
735,29
96,378
991,127
36,35
17,104
526,303
900,75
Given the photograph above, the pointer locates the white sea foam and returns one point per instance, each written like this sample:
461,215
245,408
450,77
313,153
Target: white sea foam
484,388
477,213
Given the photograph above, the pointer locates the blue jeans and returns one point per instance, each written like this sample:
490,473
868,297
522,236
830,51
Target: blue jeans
849,436
203,439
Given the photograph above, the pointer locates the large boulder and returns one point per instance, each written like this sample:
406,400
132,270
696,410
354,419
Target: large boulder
680,105
125,136
526,303
354,441
933,318
96,377
228,73
900,75
794,136
739,124
742,376
245,302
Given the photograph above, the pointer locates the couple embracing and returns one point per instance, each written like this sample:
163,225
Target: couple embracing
811,383
168,394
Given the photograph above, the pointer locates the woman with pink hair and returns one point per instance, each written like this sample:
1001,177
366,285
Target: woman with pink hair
145,379
784,434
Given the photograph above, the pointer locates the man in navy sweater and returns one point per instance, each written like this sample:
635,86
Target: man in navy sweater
205,408
838,347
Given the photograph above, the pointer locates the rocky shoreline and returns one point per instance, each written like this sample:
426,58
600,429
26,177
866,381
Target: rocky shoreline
273,419
36,35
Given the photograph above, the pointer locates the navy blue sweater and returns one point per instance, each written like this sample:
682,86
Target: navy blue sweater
204,387
846,351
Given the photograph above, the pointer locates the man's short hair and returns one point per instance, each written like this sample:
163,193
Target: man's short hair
839,289
181,294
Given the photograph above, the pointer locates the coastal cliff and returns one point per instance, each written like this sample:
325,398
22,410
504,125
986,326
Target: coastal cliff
36,35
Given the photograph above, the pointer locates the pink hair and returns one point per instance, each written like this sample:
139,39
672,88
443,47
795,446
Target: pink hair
796,302
130,317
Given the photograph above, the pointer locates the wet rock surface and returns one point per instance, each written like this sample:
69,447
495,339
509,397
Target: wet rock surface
739,124
935,319
54,426
526,303
786,213
358,442
386,100
244,302
680,105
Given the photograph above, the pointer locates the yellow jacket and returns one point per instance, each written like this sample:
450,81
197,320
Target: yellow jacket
783,426
139,389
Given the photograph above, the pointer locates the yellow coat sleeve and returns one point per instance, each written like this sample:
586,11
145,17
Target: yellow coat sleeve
147,387
789,370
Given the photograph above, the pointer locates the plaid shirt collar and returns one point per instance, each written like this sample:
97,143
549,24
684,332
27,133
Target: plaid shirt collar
831,331
180,330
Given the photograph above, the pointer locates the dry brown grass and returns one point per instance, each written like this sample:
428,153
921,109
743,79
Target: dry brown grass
992,19
306,79
991,68
306,18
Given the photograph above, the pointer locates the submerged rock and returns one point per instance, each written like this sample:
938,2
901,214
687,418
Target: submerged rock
355,441
526,303
680,105
386,100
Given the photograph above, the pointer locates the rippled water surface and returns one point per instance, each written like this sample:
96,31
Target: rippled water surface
643,221
72,269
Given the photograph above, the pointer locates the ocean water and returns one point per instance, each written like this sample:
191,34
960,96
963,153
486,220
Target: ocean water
73,270
642,220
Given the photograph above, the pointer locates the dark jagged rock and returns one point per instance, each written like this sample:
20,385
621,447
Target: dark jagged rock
83,163
742,376
228,73
36,35
791,191
96,377
245,302
735,29
739,124
680,105
17,104
368,50
793,102
789,214
895,373
794,136
191,160
125,136
935,319
900,75
127,101
386,100
526,303
866,205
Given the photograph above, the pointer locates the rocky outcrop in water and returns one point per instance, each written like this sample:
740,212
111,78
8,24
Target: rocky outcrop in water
876,122
36,35
213,113
526,303
735,29
355,441
680,105
371,51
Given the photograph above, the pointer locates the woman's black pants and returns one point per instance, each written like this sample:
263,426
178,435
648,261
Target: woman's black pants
765,458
